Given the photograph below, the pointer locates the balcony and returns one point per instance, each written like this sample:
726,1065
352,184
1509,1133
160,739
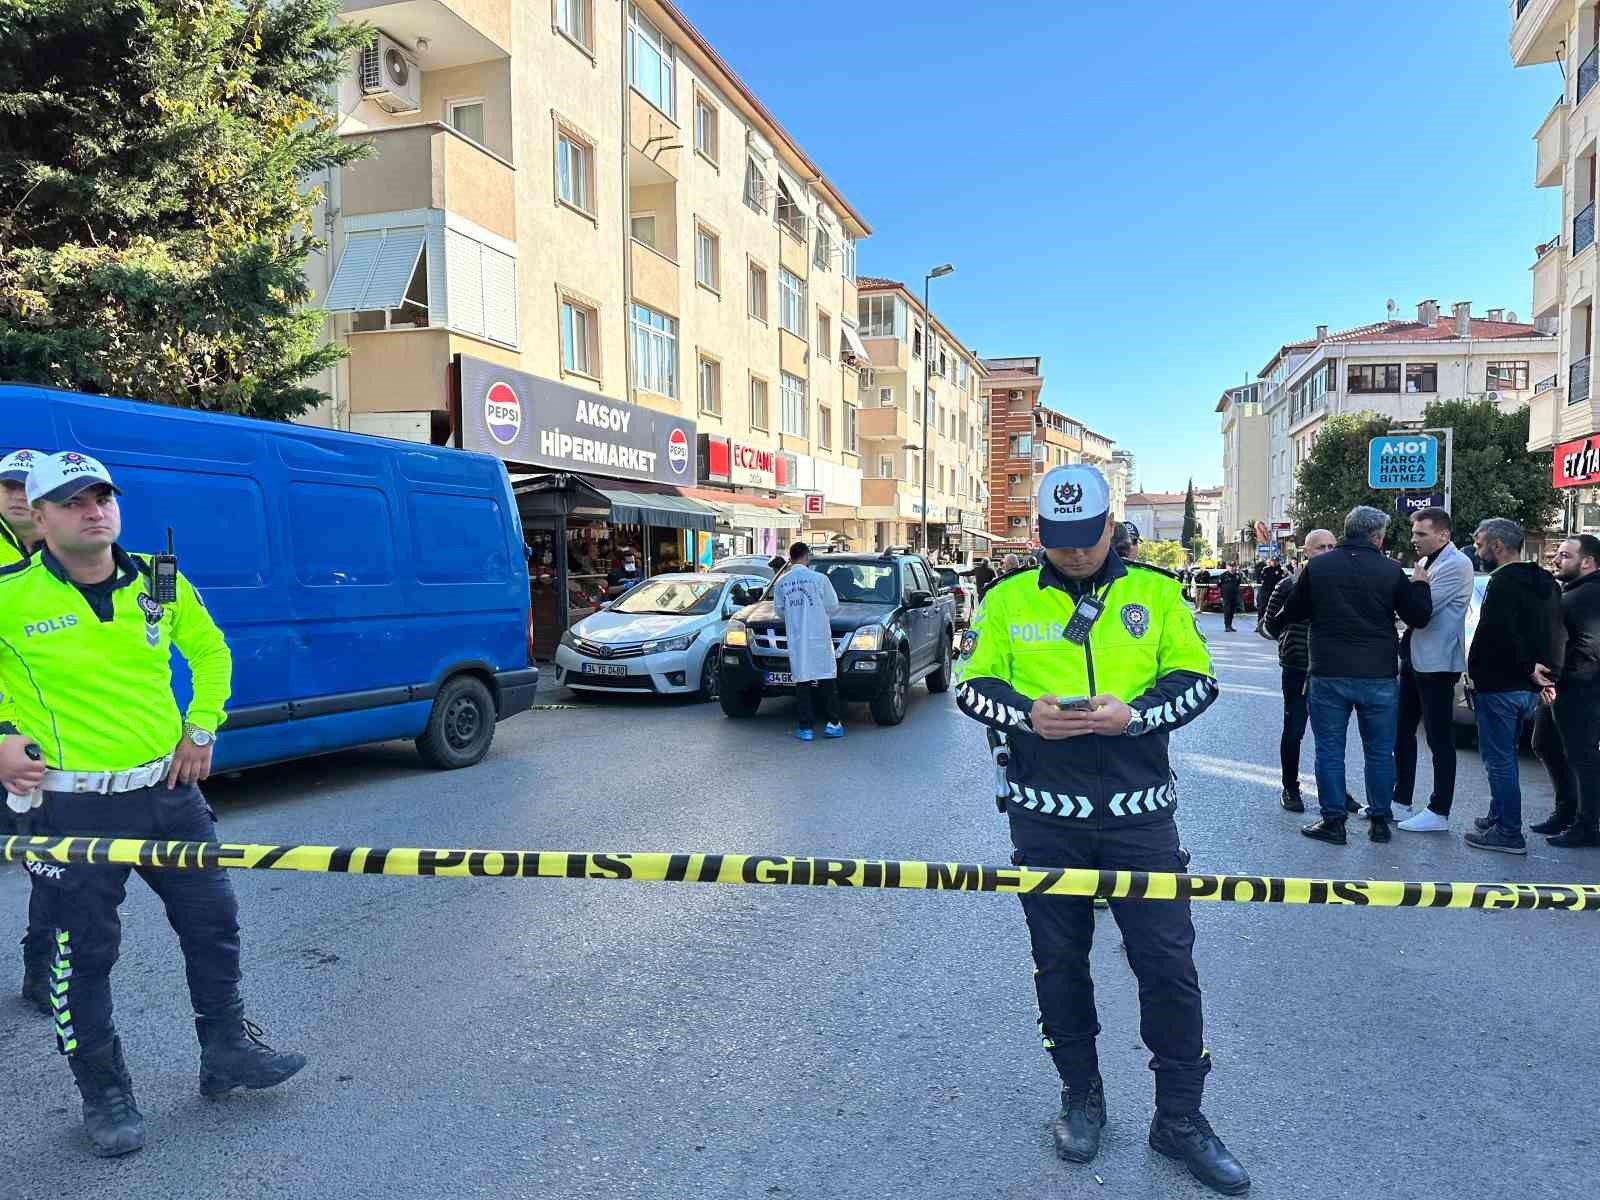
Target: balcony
459,32
1538,27
431,166
1549,279
1551,160
883,421
1583,229
1588,73
1578,381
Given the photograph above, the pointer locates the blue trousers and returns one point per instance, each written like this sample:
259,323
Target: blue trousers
1501,716
1376,703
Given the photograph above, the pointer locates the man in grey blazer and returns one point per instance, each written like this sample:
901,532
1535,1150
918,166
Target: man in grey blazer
1431,661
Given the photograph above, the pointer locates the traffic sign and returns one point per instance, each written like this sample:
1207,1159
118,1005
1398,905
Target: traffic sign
1410,505
1404,460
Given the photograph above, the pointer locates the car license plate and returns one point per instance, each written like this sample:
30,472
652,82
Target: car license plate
779,678
604,669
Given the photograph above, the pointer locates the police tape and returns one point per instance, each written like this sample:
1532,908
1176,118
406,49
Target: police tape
42,855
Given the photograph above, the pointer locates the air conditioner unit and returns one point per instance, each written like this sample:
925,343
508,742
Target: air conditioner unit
1492,397
389,76
1014,395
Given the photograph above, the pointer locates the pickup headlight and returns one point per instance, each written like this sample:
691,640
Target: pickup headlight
669,645
868,637
737,633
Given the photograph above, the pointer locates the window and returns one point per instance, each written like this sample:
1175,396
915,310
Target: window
575,18
824,427
655,351
916,342
824,334
943,366
882,316
824,248
707,252
851,443
866,378
650,63
574,171
1020,445
1381,377
577,338
847,262
705,128
711,387
643,229
793,390
916,404
886,397
791,302
466,118
755,185
1422,377
789,214
885,466
758,404
1507,376
758,292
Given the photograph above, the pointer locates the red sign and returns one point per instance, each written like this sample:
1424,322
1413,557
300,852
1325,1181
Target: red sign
1577,463
813,504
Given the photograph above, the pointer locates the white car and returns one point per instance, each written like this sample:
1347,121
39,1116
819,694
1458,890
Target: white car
656,638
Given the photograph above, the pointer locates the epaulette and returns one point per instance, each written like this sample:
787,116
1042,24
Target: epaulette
1030,569
1145,566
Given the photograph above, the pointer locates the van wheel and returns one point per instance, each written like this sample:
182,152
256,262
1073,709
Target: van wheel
461,725
939,681
889,705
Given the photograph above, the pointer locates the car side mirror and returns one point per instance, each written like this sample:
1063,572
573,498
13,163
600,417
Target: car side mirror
919,599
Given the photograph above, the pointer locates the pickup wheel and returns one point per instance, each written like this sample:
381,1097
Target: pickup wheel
461,725
939,681
739,705
889,705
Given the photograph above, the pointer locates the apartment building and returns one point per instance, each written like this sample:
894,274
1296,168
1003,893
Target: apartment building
1564,415
919,374
1159,515
584,244
1244,470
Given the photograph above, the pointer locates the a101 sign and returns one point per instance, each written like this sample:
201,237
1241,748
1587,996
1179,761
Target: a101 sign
1403,460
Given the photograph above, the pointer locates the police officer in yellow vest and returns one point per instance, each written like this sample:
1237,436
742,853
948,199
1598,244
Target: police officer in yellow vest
19,535
1086,664
90,726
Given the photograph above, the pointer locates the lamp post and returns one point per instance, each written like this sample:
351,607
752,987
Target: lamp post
927,356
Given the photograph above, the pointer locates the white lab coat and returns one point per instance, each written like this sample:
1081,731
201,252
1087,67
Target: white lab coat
805,600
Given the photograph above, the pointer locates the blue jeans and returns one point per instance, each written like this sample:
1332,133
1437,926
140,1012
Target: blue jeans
1376,703
1500,719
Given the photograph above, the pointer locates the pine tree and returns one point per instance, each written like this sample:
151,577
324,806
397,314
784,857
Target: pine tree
156,160
1191,523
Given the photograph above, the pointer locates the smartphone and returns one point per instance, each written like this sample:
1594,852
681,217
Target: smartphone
1076,704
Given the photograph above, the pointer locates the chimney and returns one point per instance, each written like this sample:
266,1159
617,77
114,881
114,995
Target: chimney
1322,333
1497,314
1427,312
1463,312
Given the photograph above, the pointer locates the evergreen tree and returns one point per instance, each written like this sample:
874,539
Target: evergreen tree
156,169
1191,524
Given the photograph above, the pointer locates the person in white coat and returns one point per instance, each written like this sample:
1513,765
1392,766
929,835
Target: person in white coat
805,599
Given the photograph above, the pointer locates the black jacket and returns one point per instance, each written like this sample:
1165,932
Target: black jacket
1519,625
1580,613
1228,585
1351,595
1294,643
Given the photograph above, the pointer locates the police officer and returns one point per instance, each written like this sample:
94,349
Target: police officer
1125,540
19,535
1087,664
90,722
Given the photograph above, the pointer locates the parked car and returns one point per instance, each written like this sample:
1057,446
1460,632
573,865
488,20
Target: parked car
894,628
369,589
1205,587
746,564
959,583
660,637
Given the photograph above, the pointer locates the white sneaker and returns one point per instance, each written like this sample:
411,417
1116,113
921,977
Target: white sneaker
1426,821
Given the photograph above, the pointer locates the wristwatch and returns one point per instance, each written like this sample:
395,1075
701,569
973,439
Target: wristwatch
197,736
1136,725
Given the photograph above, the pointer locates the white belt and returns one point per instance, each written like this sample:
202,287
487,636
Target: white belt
107,783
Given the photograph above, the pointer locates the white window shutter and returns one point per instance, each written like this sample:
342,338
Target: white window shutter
391,273
464,268
349,282
500,297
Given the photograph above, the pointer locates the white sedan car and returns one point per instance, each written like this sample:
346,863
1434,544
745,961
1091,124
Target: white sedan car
656,638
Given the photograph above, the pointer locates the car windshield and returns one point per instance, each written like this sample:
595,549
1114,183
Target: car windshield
673,597
863,582
948,577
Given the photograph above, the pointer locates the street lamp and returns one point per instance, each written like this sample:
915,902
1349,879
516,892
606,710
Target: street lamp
927,346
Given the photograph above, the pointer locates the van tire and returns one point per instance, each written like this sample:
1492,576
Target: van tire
461,725
939,680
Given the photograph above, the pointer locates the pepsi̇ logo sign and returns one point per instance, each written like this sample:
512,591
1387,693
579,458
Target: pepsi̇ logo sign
502,413
678,451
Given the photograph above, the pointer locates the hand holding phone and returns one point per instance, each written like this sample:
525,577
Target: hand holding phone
1075,704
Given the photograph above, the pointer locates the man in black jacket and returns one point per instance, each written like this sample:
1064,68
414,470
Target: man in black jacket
1567,734
1352,597
1517,651
1228,590
1294,656
1271,575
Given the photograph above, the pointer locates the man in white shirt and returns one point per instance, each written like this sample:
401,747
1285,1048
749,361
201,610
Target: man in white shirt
806,601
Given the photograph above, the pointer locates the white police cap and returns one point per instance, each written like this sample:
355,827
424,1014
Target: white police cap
60,477
1073,505
18,465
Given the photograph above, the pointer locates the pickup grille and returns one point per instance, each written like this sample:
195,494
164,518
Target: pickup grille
774,643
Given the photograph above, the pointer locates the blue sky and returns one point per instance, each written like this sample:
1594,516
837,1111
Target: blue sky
1155,197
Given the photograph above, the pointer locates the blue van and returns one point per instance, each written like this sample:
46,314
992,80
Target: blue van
369,589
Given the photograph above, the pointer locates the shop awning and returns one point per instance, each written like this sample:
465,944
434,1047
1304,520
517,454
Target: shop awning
657,508
978,533
749,516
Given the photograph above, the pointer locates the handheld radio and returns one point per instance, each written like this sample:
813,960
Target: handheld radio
164,575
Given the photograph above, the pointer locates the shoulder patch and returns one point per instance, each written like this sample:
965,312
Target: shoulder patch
1145,566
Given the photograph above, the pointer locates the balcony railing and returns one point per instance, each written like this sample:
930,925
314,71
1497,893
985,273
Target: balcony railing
1583,229
1578,381
1545,385
1588,73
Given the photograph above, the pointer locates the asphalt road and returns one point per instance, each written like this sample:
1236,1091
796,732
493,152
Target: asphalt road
554,1038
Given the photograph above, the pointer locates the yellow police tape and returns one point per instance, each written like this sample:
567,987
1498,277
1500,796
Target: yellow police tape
781,869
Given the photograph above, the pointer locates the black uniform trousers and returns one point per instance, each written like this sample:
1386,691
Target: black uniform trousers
1295,714
806,696
200,905
1160,942
1566,737
1428,697
39,939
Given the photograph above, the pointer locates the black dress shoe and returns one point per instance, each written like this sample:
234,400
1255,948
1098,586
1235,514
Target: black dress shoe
1577,835
1291,801
1350,804
1082,1117
1325,831
1378,831
1556,822
1483,824
1191,1140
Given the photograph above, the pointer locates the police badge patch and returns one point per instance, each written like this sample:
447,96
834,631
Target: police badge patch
969,642
1136,619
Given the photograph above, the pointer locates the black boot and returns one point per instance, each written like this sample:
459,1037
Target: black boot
110,1116
36,981
1083,1115
1291,801
1576,835
1325,830
1189,1138
1378,831
1556,822
232,1055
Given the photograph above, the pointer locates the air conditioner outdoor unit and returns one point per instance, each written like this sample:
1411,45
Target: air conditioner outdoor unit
389,76
1014,395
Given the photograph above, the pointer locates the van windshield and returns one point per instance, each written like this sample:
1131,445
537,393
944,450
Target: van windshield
673,597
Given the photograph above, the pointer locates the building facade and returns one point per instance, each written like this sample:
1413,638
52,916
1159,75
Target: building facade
1244,471
919,374
1159,515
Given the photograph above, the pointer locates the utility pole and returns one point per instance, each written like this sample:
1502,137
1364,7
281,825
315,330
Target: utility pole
927,357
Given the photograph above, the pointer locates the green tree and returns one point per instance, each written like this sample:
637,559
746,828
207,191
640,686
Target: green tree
1162,554
1191,523
1495,473
156,168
